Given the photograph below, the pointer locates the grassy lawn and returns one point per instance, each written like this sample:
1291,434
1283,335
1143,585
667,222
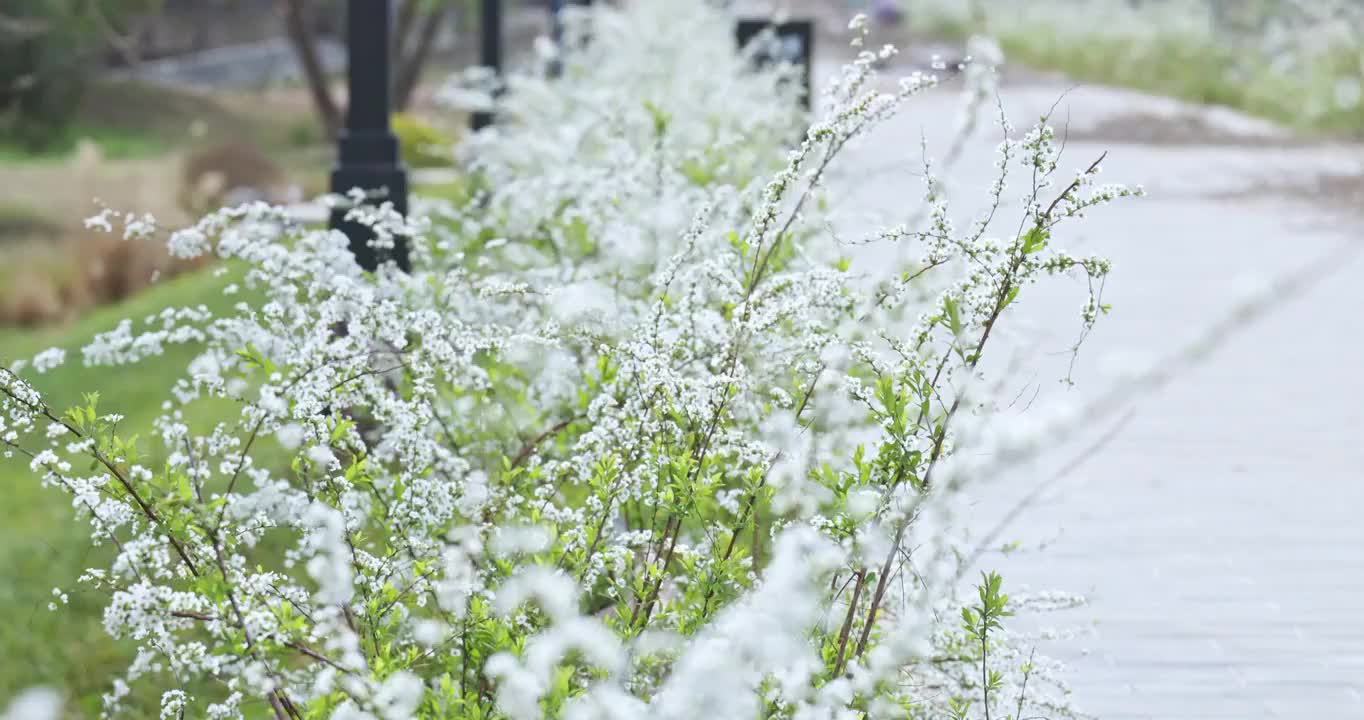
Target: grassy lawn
130,119
114,143
1164,58
140,131
40,546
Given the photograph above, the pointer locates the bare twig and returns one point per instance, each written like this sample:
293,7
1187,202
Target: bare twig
530,446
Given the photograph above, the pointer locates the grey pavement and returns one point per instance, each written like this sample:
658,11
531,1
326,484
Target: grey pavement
1218,533
248,66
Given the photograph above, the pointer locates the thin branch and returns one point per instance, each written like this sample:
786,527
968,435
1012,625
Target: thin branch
530,446
848,622
315,655
305,46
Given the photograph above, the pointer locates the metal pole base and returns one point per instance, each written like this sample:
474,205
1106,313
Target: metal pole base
389,178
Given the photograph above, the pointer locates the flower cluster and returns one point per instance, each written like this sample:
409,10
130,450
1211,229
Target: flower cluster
632,440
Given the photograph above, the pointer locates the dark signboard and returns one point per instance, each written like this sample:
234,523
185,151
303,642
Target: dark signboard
792,41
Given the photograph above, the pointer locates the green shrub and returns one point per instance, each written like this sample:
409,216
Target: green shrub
40,77
47,48
423,146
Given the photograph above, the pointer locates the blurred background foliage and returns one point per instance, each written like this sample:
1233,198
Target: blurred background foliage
47,50
1299,63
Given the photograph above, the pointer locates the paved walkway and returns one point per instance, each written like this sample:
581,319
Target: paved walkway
1219,533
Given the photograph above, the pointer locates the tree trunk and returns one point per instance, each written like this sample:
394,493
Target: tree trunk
410,67
301,37
407,16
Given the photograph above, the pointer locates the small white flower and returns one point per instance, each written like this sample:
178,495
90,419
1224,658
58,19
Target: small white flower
49,359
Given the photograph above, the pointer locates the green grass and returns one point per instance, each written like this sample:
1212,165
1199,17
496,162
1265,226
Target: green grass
131,120
1186,65
114,144
40,546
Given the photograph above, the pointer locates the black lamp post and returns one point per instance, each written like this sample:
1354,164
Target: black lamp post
556,34
367,150
490,51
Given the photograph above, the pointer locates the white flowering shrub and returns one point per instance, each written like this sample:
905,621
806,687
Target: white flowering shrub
632,440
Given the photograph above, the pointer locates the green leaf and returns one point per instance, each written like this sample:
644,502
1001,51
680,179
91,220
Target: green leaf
1009,299
952,309
660,117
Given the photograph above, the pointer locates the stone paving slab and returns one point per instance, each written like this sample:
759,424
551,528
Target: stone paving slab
1220,533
